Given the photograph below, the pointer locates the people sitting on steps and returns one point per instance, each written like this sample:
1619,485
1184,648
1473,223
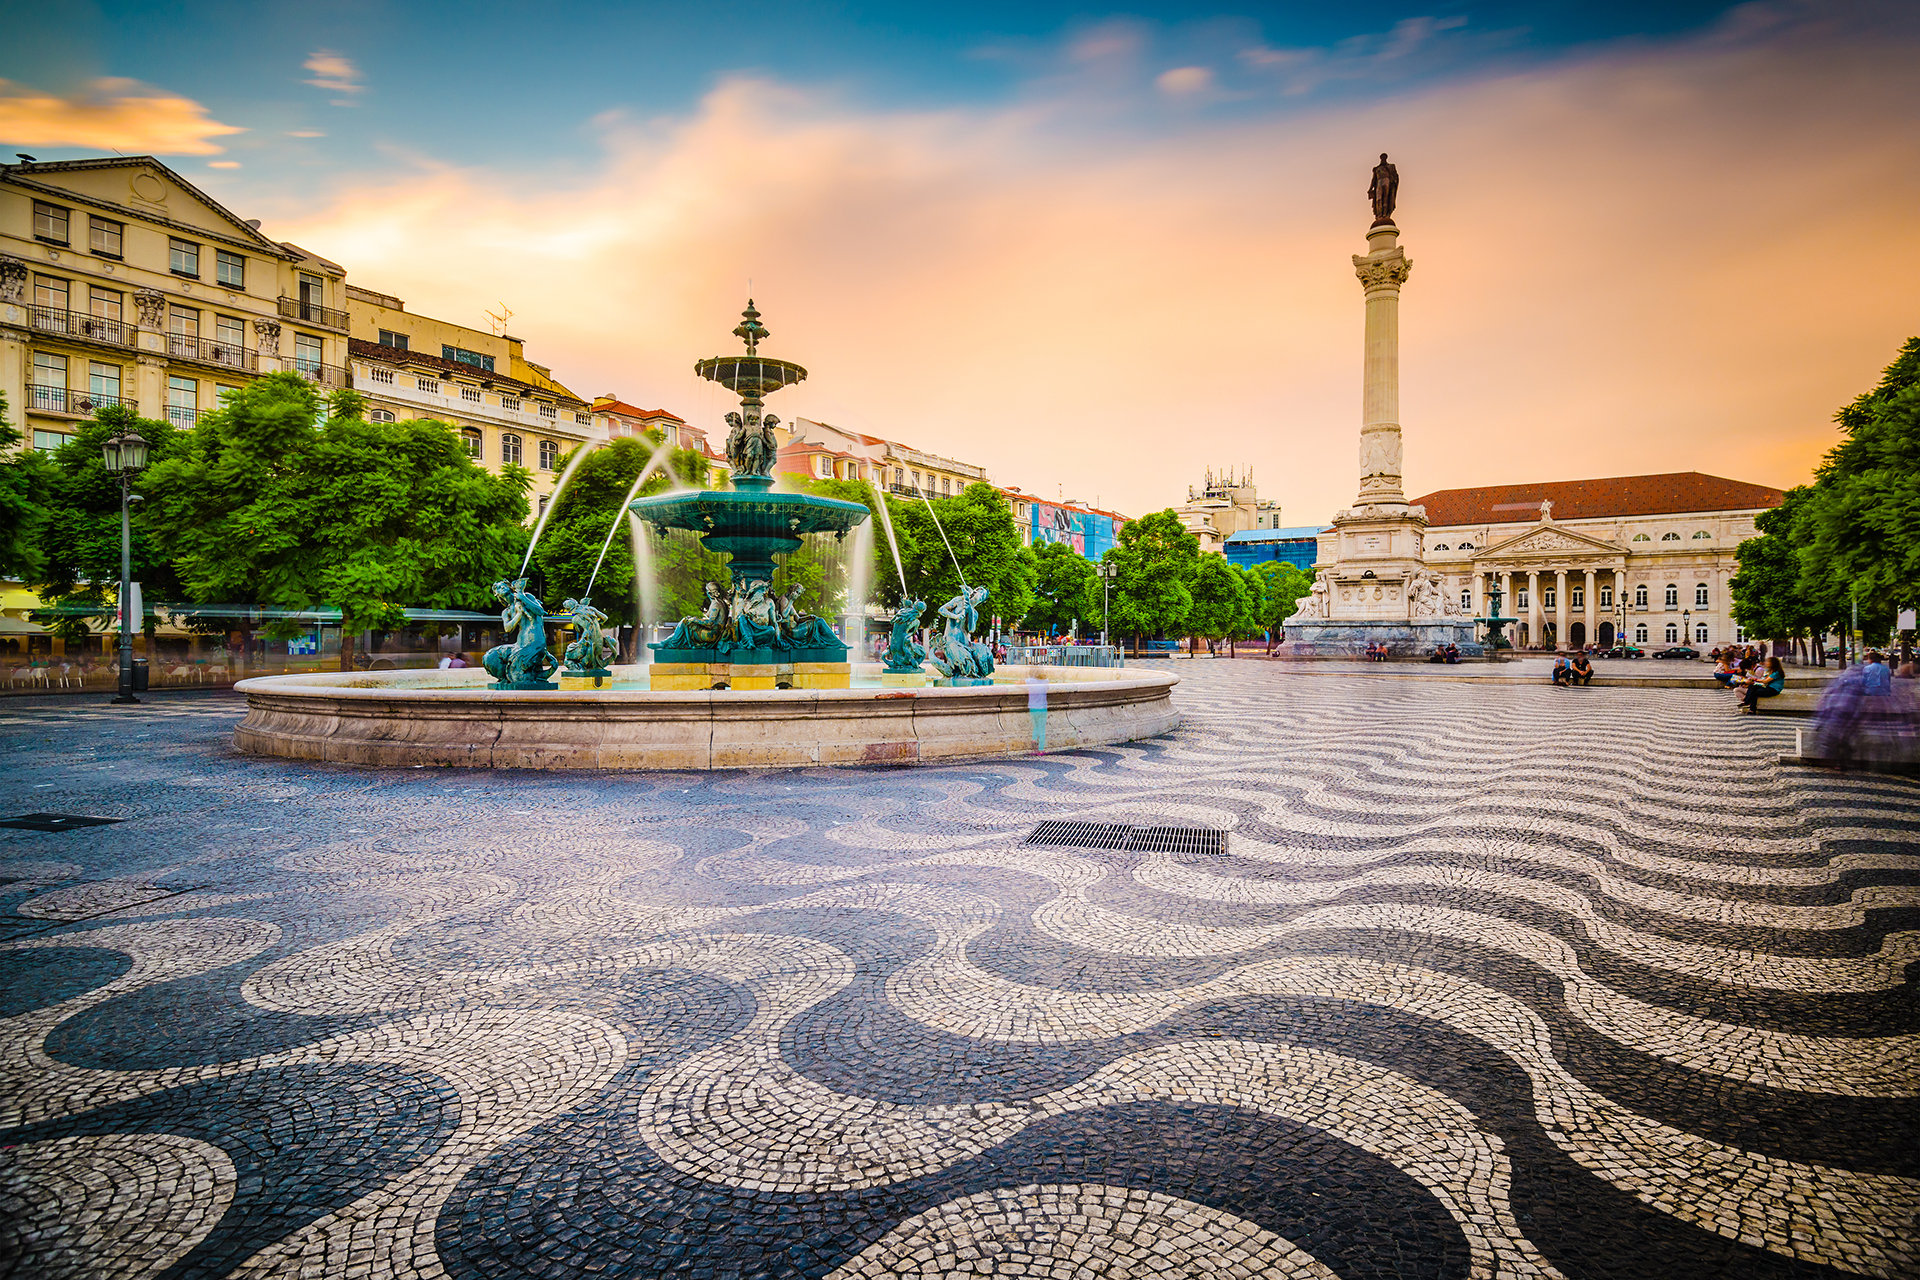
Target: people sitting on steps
1760,686
1580,671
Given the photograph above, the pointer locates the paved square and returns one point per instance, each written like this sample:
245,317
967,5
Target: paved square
1493,980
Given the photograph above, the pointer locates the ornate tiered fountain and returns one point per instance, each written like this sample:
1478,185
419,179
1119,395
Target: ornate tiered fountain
749,638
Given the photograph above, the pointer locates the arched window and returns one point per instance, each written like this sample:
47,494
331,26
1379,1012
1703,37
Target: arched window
1441,546
1465,546
1673,595
1640,634
549,454
1673,633
1669,537
1699,633
380,415
510,449
1606,597
1700,593
1641,537
1466,598
1640,596
471,439
1702,534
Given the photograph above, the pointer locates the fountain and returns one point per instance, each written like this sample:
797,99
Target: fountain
753,681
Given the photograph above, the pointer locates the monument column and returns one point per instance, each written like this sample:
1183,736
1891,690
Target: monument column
1559,608
1587,596
1381,272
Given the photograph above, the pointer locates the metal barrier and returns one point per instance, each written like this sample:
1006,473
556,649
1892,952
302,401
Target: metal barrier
1063,655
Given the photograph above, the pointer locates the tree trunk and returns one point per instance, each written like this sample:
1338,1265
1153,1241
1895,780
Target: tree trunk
346,647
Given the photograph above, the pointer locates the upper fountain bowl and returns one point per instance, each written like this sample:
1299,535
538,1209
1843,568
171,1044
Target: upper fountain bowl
750,375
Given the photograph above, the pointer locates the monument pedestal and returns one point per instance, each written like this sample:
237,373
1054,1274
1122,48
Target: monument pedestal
1403,639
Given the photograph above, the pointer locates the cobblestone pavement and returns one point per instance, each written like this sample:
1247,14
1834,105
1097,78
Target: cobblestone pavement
1491,981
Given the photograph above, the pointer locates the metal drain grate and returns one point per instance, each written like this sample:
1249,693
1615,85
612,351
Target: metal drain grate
55,821
1187,841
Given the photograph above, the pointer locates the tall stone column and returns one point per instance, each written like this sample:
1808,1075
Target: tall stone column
1587,596
1506,594
1620,600
1382,271
1560,608
1534,616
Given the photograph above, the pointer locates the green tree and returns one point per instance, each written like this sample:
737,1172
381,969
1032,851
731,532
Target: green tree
1770,597
591,508
1156,558
1282,588
1066,589
978,525
883,580
267,500
1219,598
26,488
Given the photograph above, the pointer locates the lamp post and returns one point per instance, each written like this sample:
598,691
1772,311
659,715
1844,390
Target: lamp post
1108,571
125,454
1686,626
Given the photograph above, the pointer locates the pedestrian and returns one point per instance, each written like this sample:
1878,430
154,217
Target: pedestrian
1037,707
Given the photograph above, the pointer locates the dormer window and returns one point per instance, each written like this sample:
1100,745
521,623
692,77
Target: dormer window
1669,537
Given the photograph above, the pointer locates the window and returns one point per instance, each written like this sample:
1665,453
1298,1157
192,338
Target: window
183,401
510,402
510,449
105,303
1606,597
582,420
103,381
1669,537
1699,633
1640,596
1579,597
1640,634
1700,593
427,384
230,269
1548,598
49,381
468,392
1441,546
1641,537
1701,533
183,322
1520,598
223,393
822,465
471,439
916,480
398,341
231,333
1466,598
50,291
183,258
377,374
105,237
1673,633
48,441
49,223
465,356
380,415
313,295
899,476
1673,595
549,410
306,353
1465,546
549,455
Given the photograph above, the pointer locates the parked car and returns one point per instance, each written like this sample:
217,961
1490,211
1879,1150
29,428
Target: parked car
1679,651
1623,651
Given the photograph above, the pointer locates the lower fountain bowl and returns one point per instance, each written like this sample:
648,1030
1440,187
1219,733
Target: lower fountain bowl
442,717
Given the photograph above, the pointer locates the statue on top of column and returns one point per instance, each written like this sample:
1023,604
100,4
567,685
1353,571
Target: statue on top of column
1384,191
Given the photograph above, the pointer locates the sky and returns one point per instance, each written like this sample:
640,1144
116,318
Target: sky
1096,251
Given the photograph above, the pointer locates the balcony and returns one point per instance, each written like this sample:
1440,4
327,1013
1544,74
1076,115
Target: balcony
312,313
327,375
181,416
77,324
905,490
226,355
77,402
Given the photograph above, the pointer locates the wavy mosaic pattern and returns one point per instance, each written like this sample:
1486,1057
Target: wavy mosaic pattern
1494,982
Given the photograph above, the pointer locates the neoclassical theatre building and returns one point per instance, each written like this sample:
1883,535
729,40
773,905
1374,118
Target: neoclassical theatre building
1582,561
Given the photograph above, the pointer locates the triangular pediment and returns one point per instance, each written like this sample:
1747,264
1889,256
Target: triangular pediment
143,187
1548,539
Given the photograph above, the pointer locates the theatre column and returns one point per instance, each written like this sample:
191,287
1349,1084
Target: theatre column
1535,617
1559,608
1587,596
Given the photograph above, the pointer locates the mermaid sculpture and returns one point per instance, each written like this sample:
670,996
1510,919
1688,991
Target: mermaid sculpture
804,630
755,622
706,631
904,653
523,662
591,653
957,656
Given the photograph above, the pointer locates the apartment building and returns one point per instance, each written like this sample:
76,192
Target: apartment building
825,452
123,283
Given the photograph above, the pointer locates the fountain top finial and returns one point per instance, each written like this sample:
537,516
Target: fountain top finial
751,331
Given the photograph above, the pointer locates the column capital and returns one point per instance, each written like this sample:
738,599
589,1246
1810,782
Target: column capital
1387,269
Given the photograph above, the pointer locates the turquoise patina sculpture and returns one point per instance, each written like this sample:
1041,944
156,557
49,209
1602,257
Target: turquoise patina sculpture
803,630
524,662
904,653
592,650
708,630
755,624
955,653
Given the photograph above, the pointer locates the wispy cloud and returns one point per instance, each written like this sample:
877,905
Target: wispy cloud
1183,82
336,73
305,133
111,115
223,164
1593,243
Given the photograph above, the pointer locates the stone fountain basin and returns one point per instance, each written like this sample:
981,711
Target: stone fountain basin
444,717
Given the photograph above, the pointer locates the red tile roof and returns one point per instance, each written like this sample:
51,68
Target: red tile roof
626,410
1674,492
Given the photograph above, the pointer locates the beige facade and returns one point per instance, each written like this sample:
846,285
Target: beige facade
122,283
508,409
1223,505
1581,562
825,452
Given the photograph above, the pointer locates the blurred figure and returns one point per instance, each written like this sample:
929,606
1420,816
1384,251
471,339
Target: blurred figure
1037,706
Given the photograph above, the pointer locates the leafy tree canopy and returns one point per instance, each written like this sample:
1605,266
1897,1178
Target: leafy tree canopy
1282,586
1219,598
26,484
979,527
1066,589
1156,556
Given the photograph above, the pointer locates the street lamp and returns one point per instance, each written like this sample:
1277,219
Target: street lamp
1108,571
1686,626
125,454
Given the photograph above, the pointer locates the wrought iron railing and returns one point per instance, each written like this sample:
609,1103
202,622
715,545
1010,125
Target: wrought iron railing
228,355
78,324
181,416
74,400
907,490
1063,655
327,375
312,313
